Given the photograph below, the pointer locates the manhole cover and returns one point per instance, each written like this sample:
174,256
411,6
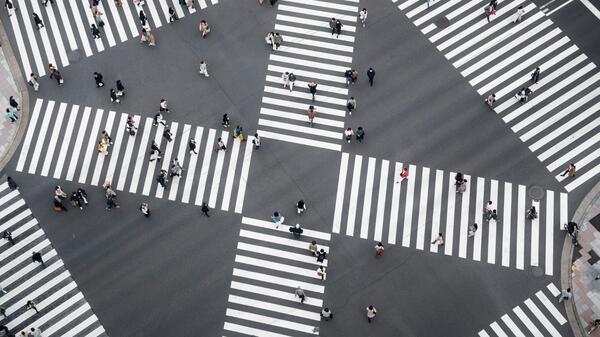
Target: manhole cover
537,271
536,192
442,22
74,56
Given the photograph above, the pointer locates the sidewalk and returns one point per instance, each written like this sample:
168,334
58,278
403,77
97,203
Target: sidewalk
580,267
12,83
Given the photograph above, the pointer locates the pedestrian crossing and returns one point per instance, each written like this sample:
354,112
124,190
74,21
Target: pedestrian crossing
372,202
61,142
67,27
312,53
540,318
269,265
560,122
63,310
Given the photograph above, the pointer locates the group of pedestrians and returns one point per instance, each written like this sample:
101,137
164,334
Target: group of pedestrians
115,94
13,108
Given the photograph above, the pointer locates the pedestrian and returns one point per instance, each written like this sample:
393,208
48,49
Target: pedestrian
313,248
277,219
58,191
285,78
158,118
277,41
535,75
120,88
204,69
237,131
76,201
35,332
130,126
371,313
33,81
273,2
103,147
532,213
332,25
163,106
403,175
371,75
221,145
145,209
113,96
3,314
490,100
312,87
168,134
98,79
360,134
162,178
38,22
10,8
348,133
95,31
54,73
321,255
379,249
489,11
225,121
523,94
10,113
593,326
362,15
350,105
256,141
494,4
8,236
155,155
518,14
292,80
139,3
462,187
37,257
353,76
269,40
472,229
300,206
58,205
300,294
204,28
570,171
439,240
13,103
296,231
338,27
312,113
12,184
172,15
493,215
565,295
205,209
326,314
142,17
176,168
192,146
321,273
190,4
31,305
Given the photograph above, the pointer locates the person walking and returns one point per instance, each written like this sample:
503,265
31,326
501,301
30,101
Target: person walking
360,134
269,40
113,96
172,15
332,25
98,79
379,249
565,294
13,103
518,14
326,314
313,248
277,219
204,28
38,22
292,80
163,106
273,2
312,87
221,145
490,100
37,257
225,121
176,168
12,184
8,236
472,230
145,209
277,41
95,31
35,332
300,294
10,113
158,119
162,178
338,27
120,88
31,305
571,169
493,215
362,15
535,75
439,240
371,313
371,75
321,255
205,209
350,105
285,78
33,81
296,231
203,69
168,134
300,207
256,141
142,17
10,8
130,126
321,273
348,133
58,205
192,146
103,147
312,113
403,175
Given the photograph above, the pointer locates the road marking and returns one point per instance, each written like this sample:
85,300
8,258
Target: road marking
366,210
64,149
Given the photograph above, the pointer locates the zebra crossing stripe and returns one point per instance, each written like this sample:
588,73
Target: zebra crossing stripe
130,20
137,170
521,228
189,179
64,17
107,29
379,217
364,226
506,224
91,146
37,57
464,220
408,210
239,201
54,139
278,240
437,206
492,223
512,326
62,156
551,308
282,281
166,160
316,23
154,14
118,23
538,314
100,156
283,295
41,137
90,21
274,307
250,331
395,205
528,323
62,53
152,165
214,187
498,330
230,175
114,156
185,136
272,321
549,232
80,28
450,215
205,164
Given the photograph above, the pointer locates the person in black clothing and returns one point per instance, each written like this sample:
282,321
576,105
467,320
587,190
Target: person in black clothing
192,146
535,76
37,257
12,184
38,21
143,18
225,122
167,134
8,236
95,31
58,203
348,76
31,305
98,79
13,103
205,209
296,231
321,255
172,15
162,178
5,329
312,86
338,27
371,75
120,88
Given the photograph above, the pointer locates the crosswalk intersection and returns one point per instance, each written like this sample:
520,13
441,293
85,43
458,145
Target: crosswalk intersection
269,266
63,310
372,202
310,52
67,28
61,142
560,122
541,317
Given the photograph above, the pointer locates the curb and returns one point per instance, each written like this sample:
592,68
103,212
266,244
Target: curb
566,277
16,72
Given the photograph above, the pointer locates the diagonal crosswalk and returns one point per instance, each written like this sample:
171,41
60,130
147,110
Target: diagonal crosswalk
61,141
312,53
372,202
560,121
67,28
540,316
269,265
63,310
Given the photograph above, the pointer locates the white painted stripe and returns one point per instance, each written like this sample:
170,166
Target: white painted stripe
177,7
318,44
306,63
239,201
311,22
214,188
106,28
282,295
466,8
549,263
506,224
482,333
270,225
28,23
39,290
127,156
591,7
64,149
366,210
151,169
283,254
279,267
582,178
559,7
281,281
520,264
535,235
341,191
100,156
352,206
248,330
80,27
431,27
324,4
551,308
423,5
53,139
408,210
154,14
8,197
189,178
574,152
41,137
272,320
299,140
7,210
279,240
166,160
475,13
78,143
16,218
185,136
118,23
383,181
114,156
311,32
564,210
478,216
64,18
165,9
71,316
31,281
498,330
302,118
90,21
91,146
14,21
25,256
318,13
528,323
437,207
29,135
317,54
406,4
553,289
538,314
310,74
303,107
300,129
81,326
320,98
205,166
395,204
28,269
423,208
282,309
492,223
202,4
567,141
97,332
60,46
130,20
512,326
450,215
464,219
